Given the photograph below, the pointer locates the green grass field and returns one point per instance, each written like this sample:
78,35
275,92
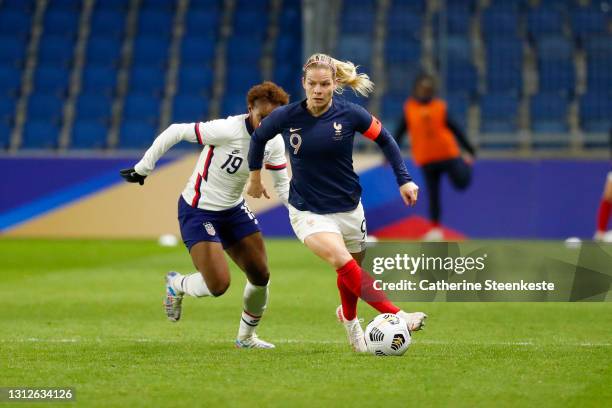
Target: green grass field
87,314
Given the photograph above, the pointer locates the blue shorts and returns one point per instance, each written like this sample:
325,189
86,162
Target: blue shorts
226,226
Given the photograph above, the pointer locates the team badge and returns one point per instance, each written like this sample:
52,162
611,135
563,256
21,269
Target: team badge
209,228
338,131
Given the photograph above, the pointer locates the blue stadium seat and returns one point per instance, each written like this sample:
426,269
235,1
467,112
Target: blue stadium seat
96,79
242,79
548,113
188,108
499,22
155,22
400,78
108,23
244,50
502,51
595,108
557,76
460,5
461,77
402,52
357,21
498,113
162,5
61,22
136,134
392,108
114,5
43,106
10,80
200,5
198,50
71,5
93,107
599,75
554,48
15,23
457,48
147,80
39,134
7,109
458,22
51,79
458,105
507,5
544,21
5,135
103,51
150,50
142,108
19,5
195,80
233,104
55,50
203,23
88,135
504,77
599,46
251,5
13,51
411,6
588,21
355,48
402,25
253,24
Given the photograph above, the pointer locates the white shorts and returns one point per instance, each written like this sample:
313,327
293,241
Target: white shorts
351,225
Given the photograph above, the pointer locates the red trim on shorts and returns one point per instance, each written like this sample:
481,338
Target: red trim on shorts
203,176
374,129
277,167
197,132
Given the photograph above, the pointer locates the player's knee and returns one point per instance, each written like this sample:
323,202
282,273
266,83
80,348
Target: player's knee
259,275
218,288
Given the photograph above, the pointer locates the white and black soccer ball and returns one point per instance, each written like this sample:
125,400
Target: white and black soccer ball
387,335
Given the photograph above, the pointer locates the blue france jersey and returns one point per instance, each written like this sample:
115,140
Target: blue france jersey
321,153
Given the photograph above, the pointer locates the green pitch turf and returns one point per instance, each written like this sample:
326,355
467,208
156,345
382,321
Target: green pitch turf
87,314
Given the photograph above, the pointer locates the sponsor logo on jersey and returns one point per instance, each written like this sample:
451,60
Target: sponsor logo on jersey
209,228
293,130
236,151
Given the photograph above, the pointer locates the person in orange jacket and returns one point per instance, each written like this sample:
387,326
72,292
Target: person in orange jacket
435,141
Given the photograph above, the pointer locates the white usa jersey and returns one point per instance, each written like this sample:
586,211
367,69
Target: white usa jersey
221,171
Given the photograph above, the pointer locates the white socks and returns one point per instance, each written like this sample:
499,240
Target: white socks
192,285
255,302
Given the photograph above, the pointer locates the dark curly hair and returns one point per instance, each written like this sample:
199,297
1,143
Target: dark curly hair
268,91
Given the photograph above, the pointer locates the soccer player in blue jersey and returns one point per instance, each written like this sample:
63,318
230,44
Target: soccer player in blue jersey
325,196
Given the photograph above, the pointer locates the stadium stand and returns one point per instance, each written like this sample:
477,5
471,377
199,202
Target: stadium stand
86,74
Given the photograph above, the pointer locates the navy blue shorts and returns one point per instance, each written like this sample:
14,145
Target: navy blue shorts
226,226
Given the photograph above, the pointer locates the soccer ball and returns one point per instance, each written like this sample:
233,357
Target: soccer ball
387,335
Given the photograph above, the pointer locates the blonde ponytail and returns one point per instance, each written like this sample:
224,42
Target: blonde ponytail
345,73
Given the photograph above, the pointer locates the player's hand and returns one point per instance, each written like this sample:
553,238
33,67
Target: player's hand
409,193
468,159
256,189
131,176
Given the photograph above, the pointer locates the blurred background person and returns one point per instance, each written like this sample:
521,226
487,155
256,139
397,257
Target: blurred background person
435,141
605,207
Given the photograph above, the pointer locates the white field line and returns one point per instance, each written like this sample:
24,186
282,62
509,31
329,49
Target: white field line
294,341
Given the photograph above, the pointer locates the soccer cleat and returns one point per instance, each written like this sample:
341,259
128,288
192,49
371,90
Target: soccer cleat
173,300
252,342
354,332
415,321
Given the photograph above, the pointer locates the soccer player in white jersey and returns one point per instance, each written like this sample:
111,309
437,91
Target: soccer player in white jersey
213,215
